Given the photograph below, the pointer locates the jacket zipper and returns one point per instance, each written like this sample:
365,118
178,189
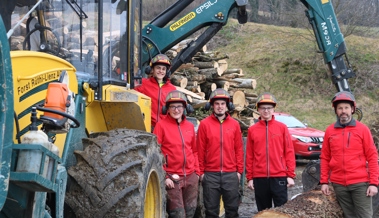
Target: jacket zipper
267,151
184,152
343,155
221,143
159,100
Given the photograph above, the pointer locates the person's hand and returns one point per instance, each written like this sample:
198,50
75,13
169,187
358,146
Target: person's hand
169,183
239,176
325,189
250,184
290,182
201,178
371,190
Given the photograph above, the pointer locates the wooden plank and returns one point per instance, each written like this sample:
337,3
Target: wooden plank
185,91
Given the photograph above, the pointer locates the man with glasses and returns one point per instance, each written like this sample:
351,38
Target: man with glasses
270,157
219,142
176,135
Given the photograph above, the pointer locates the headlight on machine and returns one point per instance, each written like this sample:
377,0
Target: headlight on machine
303,138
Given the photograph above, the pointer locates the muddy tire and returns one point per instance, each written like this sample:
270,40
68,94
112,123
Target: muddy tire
119,174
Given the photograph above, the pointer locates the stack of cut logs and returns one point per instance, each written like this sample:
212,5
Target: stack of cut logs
208,71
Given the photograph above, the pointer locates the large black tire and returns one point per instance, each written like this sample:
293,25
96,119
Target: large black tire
119,174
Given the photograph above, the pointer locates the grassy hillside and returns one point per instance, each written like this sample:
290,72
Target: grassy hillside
285,62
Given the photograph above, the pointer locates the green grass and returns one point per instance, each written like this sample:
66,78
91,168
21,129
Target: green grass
285,62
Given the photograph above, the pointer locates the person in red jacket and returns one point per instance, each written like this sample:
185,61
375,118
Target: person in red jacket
219,142
270,156
176,135
157,86
349,160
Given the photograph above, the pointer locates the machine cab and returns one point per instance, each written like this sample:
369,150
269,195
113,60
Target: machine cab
101,39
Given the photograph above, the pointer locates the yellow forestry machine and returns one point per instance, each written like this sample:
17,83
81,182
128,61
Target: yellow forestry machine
75,137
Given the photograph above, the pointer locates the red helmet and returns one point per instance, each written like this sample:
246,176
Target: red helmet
160,59
343,96
219,94
176,96
266,98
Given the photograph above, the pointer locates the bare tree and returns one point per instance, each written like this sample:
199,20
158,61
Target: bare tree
355,17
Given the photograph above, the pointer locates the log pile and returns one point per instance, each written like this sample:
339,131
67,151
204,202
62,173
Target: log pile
310,204
209,70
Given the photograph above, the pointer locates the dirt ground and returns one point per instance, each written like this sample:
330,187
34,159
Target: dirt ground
248,207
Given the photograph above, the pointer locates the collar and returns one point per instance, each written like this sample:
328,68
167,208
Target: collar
340,125
272,118
154,80
170,119
221,121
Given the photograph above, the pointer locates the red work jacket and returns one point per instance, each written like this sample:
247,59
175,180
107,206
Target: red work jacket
348,155
151,88
178,145
220,145
269,151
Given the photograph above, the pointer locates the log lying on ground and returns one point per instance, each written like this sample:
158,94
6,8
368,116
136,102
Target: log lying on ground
245,83
311,204
210,73
233,70
223,65
186,66
204,65
222,84
239,100
243,125
187,92
198,103
178,80
197,77
195,89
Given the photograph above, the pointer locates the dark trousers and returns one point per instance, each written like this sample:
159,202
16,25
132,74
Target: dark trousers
268,190
182,199
353,200
217,185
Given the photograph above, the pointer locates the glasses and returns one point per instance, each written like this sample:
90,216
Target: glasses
180,107
266,108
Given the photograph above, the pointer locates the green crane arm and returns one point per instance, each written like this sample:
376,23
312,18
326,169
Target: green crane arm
330,41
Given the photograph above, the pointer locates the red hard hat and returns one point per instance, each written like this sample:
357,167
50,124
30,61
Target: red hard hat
219,94
176,96
343,96
266,98
160,59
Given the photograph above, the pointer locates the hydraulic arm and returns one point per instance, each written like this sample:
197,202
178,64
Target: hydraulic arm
158,37
214,14
330,41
